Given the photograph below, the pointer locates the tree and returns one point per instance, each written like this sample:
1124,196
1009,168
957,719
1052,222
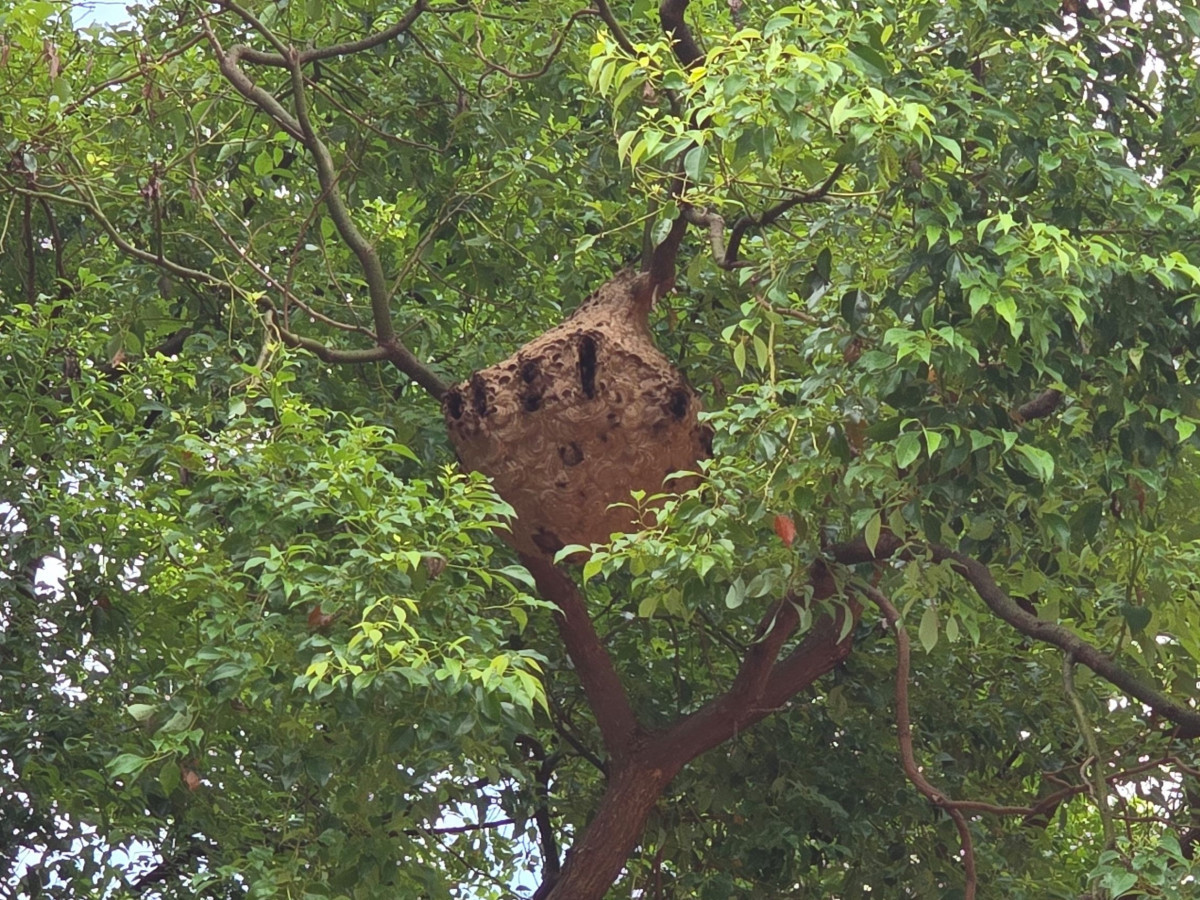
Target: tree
935,277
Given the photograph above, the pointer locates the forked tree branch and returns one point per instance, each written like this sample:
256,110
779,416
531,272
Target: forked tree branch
300,127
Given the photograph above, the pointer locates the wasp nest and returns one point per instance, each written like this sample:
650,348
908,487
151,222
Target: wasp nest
577,419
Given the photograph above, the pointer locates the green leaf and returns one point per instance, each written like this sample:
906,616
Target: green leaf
624,142
908,448
872,531
141,711
1040,463
735,596
126,764
951,146
842,110
694,163
592,568
927,632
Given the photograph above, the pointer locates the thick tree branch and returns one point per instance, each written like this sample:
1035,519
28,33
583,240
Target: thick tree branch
635,785
674,26
763,685
606,694
980,578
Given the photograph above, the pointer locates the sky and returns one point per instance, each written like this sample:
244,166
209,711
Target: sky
100,12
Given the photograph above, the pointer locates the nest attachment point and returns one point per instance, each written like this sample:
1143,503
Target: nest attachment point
579,418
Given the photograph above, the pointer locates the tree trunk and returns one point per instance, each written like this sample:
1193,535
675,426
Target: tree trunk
595,861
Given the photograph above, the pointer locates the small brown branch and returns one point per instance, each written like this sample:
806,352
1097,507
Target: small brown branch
980,578
904,735
605,12
565,729
606,694
715,226
662,259
377,287
767,218
460,829
551,864
92,206
554,51
726,256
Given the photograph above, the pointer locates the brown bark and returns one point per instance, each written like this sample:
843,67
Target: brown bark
647,764
597,858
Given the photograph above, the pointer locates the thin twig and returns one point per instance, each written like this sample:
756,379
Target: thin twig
904,736
1088,733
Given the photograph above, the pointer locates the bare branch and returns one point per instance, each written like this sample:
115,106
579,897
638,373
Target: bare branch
745,223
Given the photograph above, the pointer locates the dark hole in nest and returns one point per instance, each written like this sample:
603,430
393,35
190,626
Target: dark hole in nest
529,371
479,394
454,403
531,402
587,365
678,404
570,454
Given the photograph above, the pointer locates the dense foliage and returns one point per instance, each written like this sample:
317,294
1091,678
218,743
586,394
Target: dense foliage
941,290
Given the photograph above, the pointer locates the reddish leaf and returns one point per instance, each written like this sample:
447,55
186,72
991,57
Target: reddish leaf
786,529
318,620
